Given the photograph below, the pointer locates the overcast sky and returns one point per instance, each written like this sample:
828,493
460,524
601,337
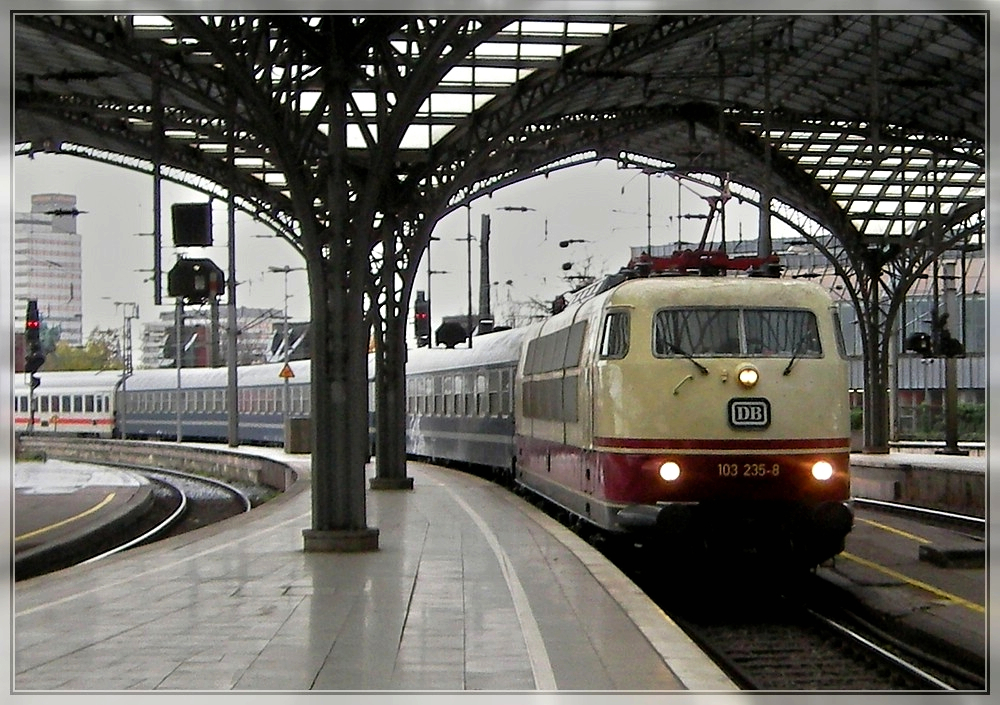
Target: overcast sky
598,203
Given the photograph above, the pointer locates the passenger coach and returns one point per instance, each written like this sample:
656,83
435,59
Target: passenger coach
76,403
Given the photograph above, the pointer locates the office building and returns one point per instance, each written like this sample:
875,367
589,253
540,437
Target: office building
48,265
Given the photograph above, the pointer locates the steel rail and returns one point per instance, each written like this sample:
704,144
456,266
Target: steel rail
160,528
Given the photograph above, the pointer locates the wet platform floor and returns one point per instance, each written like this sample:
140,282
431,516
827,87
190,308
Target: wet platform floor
471,589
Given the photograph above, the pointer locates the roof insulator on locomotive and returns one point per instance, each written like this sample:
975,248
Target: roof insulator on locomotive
705,263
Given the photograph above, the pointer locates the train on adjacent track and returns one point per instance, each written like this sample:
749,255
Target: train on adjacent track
702,412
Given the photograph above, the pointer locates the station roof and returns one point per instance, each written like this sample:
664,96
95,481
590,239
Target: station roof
877,123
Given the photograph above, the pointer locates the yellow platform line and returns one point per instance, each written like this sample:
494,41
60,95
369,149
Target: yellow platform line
81,515
915,583
898,532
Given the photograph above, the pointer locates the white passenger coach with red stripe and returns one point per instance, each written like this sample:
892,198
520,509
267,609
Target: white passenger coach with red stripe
76,403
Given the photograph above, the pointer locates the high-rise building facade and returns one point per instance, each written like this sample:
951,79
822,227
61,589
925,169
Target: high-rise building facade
48,265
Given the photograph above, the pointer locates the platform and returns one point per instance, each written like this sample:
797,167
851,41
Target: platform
472,589
64,508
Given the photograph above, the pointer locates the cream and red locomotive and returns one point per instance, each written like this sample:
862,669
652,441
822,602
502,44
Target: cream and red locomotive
701,411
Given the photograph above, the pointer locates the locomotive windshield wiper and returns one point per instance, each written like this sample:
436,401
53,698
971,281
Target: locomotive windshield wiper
685,354
795,354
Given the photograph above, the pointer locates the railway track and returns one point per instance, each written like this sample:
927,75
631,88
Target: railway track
782,631
781,644
182,502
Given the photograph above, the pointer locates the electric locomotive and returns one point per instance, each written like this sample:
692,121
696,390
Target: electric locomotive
696,412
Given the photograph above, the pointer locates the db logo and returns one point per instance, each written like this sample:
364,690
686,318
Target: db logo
749,413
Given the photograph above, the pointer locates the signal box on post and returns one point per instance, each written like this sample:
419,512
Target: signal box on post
34,357
422,320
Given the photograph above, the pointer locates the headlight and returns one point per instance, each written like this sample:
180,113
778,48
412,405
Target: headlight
747,375
822,470
670,471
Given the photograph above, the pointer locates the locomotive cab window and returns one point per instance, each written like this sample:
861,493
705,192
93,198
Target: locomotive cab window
614,335
729,332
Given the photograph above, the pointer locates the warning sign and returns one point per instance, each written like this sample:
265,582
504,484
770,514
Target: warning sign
286,372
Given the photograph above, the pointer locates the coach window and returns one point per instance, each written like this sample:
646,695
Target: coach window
481,392
469,385
448,390
44,404
89,403
438,402
78,403
506,393
55,404
494,393
67,405
614,336
460,395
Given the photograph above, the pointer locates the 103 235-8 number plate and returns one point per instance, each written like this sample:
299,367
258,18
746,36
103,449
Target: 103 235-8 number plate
751,470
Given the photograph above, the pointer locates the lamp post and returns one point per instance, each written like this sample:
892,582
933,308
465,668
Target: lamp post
429,273
130,310
284,345
468,249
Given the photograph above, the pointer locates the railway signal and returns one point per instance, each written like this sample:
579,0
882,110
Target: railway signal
34,357
938,343
422,320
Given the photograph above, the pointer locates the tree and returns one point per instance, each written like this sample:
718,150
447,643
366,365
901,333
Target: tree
99,353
